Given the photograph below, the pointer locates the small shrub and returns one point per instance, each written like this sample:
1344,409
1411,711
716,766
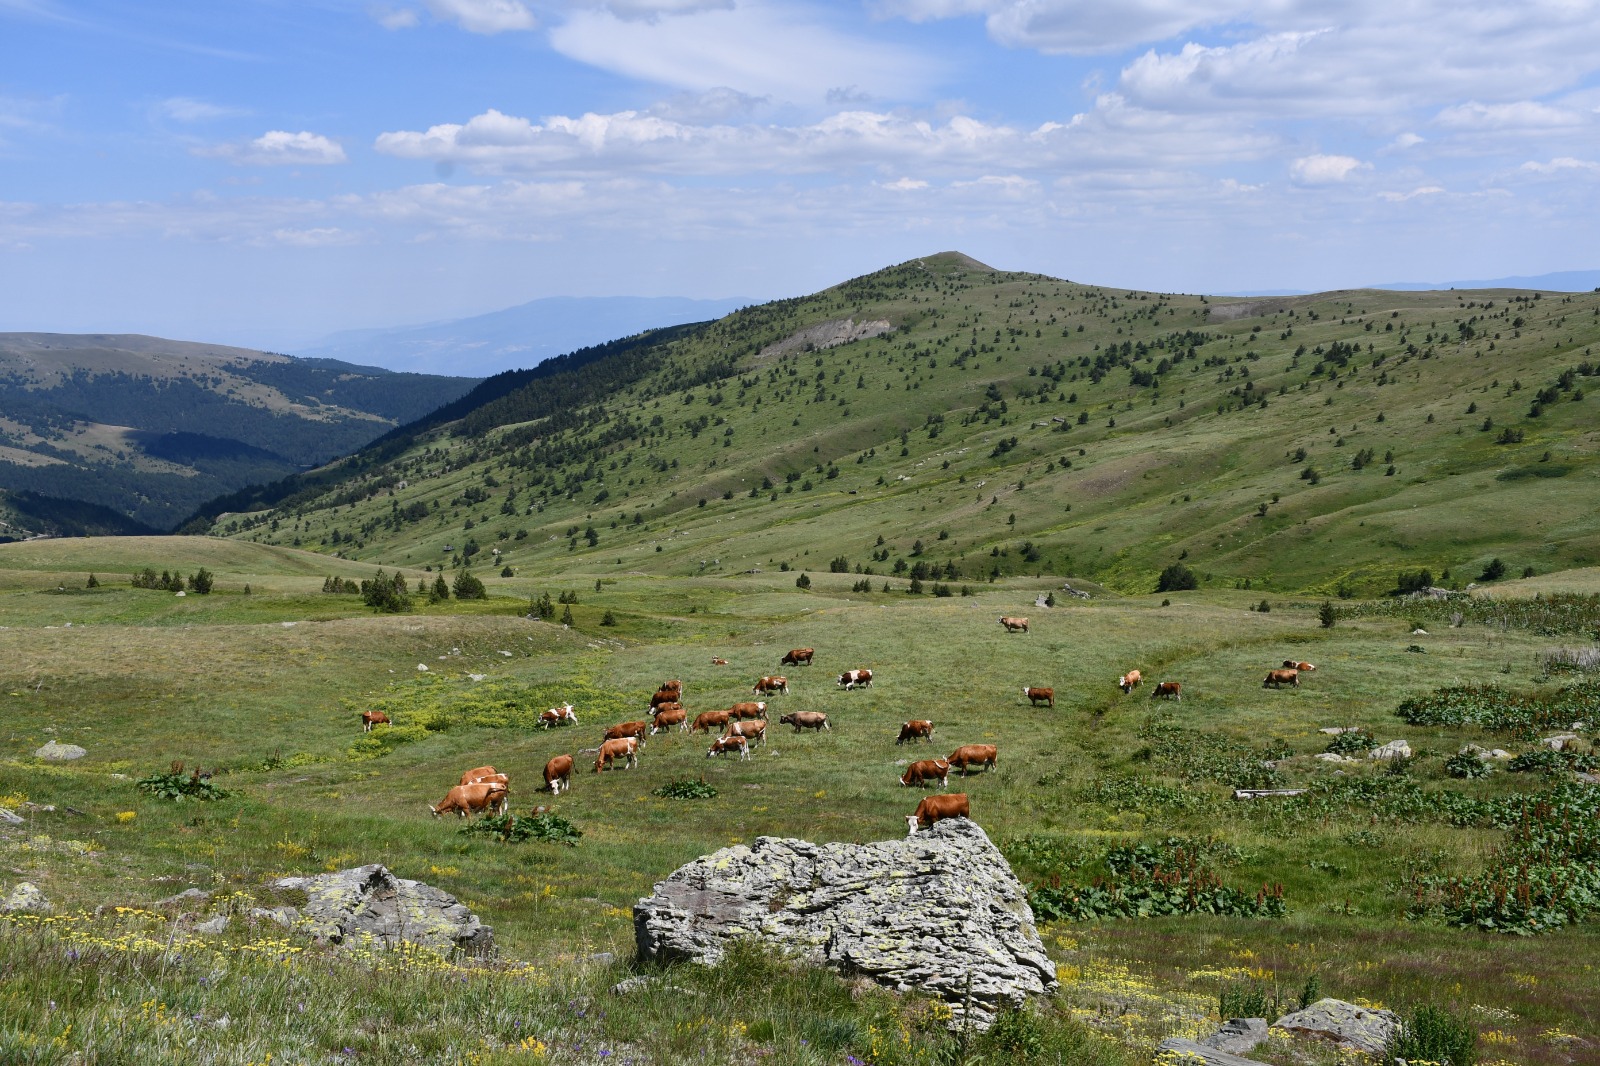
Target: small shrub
546,827
1433,1034
1327,614
687,788
1352,742
1467,765
1494,571
608,619
803,581
176,785
1177,578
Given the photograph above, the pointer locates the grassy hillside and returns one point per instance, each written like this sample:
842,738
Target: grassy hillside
990,423
152,428
265,688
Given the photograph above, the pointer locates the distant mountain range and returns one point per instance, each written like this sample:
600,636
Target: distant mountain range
146,429
1559,281
516,338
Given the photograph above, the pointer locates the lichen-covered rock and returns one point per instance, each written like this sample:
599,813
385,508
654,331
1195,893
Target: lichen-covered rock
58,752
25,898
1238,1036
1395,749
1178,1052
1344,1024
940,913
370,905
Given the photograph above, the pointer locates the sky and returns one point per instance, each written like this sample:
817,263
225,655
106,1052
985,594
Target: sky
264,172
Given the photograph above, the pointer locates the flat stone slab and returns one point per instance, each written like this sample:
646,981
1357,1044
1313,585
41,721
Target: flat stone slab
1238,1036
1345,1024
56,751
1176,1052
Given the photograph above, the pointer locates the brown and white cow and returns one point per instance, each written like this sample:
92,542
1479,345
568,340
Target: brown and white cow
798,657
471,799
658,708
768,685
1129,681
1012,625
555,716
984,755
709,721
620,748
937,808
637,730
558,774
667,719
806,720
1304,668
1279,678
718,662
927,770
914,729
855,679
748,709
1038,695
372,718
472,775
753,731
674,685
731,742
1168,690
665,696
490,779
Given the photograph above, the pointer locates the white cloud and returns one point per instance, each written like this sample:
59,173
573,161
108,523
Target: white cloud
1561,164
1521,114
485,16
721,104
1404,141
1325,169
1402,197
394,18
316,237
279,148
650,10
903,185
1080,26
761,50
188,109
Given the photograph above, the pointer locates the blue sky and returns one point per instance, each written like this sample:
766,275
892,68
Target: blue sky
267,171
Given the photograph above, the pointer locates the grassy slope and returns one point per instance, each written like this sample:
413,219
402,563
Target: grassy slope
144,677
1185,469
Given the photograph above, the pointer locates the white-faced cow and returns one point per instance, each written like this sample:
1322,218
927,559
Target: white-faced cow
1167,690
1037,696
1129,681
731,742
1279,678
806,720
798,657
937,808
622,748
748,709
917,728
555,716
1304,668
471,799
927,770
769,685
372,718
558,774
981,755
855,679
667,719
1014,625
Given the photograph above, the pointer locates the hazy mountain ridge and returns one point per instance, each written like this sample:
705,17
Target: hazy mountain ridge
1015,423
151,428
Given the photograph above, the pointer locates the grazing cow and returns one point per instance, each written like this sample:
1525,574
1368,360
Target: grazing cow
936,808
674,685
798,657
1129,681
665,696
1304,668
667,719
1168,690
472,775
718,662
558,774
853,678
1011,625
755,732
731,742
747,710
637,730
662,708
984,755
769,685
1279,678
620,748
372,718
470,799
1048,695
490,779
709,721
555,716
917,727
806,720
927,770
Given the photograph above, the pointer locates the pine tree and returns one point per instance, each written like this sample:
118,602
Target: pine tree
566,616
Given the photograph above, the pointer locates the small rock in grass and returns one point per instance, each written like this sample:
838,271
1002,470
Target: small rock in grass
1559,742
26,898
1238,1036
1395,749
189,897
11,817
56,751
219,924
1343,1024
1190,1053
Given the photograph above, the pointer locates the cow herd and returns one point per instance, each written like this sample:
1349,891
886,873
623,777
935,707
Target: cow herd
741,727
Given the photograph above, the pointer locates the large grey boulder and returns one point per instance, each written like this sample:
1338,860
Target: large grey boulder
25,898
56,751
1188,1053
940,913
1344,1024
1238,1036
370,905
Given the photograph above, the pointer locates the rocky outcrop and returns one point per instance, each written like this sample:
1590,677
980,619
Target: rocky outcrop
1344,1024
940,913
829,334
1178,1052
370,905
1238,1036
55,751
25,898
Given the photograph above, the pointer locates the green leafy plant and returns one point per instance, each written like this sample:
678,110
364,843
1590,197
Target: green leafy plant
1352,742
545,827
1148,880
686,788
1466,764
176,785
1433,1034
